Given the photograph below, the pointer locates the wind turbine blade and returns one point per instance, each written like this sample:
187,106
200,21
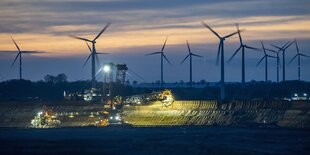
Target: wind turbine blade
218,54
184,59
196,55
102,31
88,47
293,58
285,44
80,38
240,38
101,53
15,44
271,50
207,26
252,48
234,54
232,34
87,60
166,59
264,50
296,44
97,59
304,55
189,49
288,45
279,48
15,59
152,53
270,56
33,52
162,49
260,61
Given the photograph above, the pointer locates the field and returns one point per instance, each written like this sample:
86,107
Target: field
113,140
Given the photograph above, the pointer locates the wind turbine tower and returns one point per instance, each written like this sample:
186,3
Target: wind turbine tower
190,54
283,57
266,61
221,52
242,47
162,57
19,55
298,55
93,54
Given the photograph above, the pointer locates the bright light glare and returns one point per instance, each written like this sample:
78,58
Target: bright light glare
305,94
117,117
106,68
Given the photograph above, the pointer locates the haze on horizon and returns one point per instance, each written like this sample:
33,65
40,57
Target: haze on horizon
140,27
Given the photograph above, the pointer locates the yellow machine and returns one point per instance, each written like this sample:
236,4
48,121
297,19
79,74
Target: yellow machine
45,119
102,122
166,98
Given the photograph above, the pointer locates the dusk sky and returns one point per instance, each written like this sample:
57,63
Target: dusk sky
139,27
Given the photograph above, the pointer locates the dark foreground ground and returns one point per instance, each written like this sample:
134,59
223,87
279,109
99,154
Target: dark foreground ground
153,141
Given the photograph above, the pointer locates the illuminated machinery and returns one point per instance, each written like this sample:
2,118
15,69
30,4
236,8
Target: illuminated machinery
102,122
121,73
108,70
300,97
92,94
165,97
45,119
115,117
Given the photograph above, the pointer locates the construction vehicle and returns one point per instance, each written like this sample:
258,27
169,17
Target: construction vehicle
45,119
166,98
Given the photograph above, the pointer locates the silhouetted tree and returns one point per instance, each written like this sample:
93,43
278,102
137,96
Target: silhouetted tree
202,81
52,88
60,78
134,83
49,79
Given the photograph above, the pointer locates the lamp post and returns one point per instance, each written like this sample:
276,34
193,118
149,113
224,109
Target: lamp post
106,68
108,79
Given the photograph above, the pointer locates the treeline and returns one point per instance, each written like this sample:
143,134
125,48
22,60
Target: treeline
52,88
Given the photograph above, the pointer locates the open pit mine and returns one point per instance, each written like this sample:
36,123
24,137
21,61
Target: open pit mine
156,109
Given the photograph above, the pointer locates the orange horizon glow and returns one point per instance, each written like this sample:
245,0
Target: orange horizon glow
114,41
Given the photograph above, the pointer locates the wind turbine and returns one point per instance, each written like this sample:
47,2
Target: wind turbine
298,55
19,55
190,54
283,48
278,58
96,54
242,47
221,51
162,56
93,53
266,61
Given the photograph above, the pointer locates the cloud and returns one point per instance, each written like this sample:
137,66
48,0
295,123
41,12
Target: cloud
140,26
38,16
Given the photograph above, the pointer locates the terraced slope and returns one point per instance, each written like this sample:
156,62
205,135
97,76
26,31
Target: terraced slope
280,113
